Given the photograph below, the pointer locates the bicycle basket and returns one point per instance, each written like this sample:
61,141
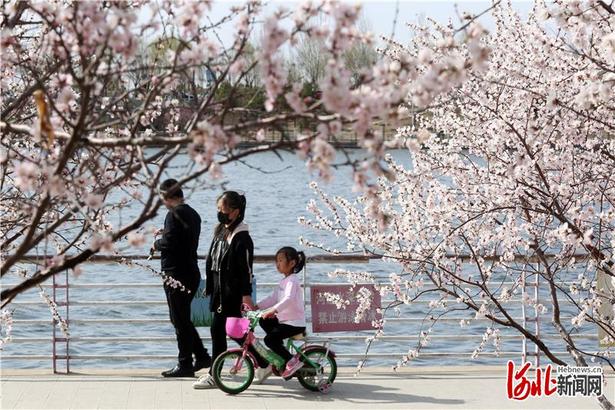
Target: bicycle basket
237,327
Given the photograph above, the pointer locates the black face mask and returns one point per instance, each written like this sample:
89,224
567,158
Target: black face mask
224,218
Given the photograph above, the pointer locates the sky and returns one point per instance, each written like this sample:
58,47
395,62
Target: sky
380,14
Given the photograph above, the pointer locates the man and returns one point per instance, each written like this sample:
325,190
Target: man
178,246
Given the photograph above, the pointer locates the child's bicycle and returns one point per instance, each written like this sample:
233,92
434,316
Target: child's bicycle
233,370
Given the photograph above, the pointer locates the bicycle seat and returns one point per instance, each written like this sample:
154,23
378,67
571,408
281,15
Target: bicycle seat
299,336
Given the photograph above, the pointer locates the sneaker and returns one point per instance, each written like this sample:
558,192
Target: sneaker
206,381
262,373
292,366
203,363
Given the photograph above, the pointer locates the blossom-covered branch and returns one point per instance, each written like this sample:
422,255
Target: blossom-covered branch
511,179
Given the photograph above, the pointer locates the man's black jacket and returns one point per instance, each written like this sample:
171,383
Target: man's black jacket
180,240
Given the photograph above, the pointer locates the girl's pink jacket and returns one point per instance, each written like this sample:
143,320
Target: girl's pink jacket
287,300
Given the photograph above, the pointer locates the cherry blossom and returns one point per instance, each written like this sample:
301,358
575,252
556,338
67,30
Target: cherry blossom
511,177
6,327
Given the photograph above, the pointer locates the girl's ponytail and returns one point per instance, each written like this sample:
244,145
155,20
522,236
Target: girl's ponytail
300,262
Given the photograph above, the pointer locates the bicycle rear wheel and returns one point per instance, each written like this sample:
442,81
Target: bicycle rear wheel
312,378
232,373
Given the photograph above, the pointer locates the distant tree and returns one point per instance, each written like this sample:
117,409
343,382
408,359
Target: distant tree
362,55
251,78
310,60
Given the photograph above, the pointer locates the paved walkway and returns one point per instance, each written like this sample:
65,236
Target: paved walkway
375,389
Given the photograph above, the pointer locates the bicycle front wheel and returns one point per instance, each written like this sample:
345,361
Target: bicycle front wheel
232,372
325,371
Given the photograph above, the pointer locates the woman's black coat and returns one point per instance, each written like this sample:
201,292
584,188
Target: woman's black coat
227,287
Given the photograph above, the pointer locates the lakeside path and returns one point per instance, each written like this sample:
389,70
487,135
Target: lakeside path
476,387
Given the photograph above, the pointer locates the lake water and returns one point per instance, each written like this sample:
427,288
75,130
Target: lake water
275,200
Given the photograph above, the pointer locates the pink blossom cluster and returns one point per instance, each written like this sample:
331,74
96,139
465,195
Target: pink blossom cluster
335,299
207,140
492,335
53,308
272,68
6,327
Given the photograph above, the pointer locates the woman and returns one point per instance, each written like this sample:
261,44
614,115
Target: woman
229,273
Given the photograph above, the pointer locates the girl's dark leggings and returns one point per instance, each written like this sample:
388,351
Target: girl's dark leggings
276,333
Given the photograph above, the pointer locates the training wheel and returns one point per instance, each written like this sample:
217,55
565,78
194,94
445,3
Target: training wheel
324,387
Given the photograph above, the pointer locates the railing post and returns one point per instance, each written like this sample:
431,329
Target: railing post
523,315
537,319
526,319
304,281
53,329
56,339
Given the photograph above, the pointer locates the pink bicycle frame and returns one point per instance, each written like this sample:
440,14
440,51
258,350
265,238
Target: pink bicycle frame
244,352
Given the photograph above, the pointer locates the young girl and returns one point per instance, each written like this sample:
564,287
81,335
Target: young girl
286,302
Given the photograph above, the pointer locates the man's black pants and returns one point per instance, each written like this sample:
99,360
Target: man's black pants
188,339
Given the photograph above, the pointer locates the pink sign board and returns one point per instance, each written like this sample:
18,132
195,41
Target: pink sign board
326,317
